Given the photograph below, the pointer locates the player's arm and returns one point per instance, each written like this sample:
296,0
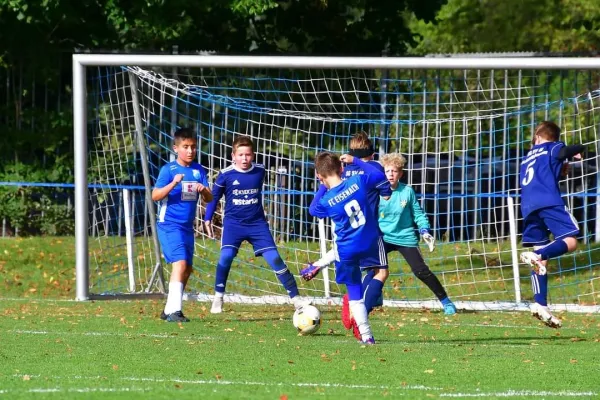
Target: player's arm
567,152
164,184
422,221
375,178
316,209
204,190
217,192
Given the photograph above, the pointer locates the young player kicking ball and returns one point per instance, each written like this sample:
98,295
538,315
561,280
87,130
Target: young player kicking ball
357,240
374,275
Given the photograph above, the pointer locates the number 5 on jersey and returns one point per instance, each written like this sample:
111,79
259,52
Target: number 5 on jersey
357,218
528,174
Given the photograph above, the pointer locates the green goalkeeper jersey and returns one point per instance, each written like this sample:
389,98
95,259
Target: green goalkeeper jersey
398,216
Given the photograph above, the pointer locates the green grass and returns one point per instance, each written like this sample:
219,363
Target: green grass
51,347
477,271
57,349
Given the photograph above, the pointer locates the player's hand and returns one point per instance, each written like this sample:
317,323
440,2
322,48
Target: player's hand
347,158
200,187
310,272
208,229
177,178
428,238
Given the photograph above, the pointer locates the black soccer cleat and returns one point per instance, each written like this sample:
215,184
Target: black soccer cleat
163,316
177,316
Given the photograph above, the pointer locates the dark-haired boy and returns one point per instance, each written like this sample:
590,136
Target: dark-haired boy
177,187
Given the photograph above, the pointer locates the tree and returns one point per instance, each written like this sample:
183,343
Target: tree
495,26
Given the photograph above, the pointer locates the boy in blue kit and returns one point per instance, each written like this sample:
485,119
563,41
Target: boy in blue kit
177,187
357,240
244,219
544,212
375,276
397,219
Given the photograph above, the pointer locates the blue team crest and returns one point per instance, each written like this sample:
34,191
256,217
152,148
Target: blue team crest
196,173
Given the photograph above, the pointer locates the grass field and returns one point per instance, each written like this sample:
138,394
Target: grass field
52,347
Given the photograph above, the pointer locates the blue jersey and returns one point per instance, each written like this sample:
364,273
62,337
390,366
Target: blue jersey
243,194
373,194
181,202
539,176
348,207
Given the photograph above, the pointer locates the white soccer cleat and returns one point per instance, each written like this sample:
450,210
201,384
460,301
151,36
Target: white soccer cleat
217,305
543,314
300,302
534,261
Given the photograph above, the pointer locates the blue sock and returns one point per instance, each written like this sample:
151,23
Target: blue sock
367,279
554,249
223,267
445,301
354,291
284,275
539,284
372,294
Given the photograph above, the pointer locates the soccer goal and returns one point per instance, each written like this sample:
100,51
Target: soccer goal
463,125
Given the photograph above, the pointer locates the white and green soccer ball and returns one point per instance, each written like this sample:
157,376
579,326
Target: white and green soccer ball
307,320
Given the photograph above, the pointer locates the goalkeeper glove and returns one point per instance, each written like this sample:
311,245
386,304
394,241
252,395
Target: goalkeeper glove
428,238
310,272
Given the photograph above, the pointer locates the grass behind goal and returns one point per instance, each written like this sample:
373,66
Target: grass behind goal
470,272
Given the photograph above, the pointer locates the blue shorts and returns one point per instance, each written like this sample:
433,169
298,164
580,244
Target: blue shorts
555,219
176,241
348,266
256,233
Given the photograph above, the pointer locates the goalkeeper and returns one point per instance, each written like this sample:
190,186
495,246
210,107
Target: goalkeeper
397,218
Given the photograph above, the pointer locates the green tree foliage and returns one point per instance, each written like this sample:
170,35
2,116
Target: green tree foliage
460,26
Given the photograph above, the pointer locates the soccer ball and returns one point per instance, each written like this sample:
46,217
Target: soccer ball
307,320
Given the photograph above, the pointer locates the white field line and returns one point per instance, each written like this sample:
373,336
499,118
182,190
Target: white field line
522,393
238,383
535,324
349,340
454,343
101,334
74,390
280,384
506,393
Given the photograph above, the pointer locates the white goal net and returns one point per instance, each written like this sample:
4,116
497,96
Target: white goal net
462,131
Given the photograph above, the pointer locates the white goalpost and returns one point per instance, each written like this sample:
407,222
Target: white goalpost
463,124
